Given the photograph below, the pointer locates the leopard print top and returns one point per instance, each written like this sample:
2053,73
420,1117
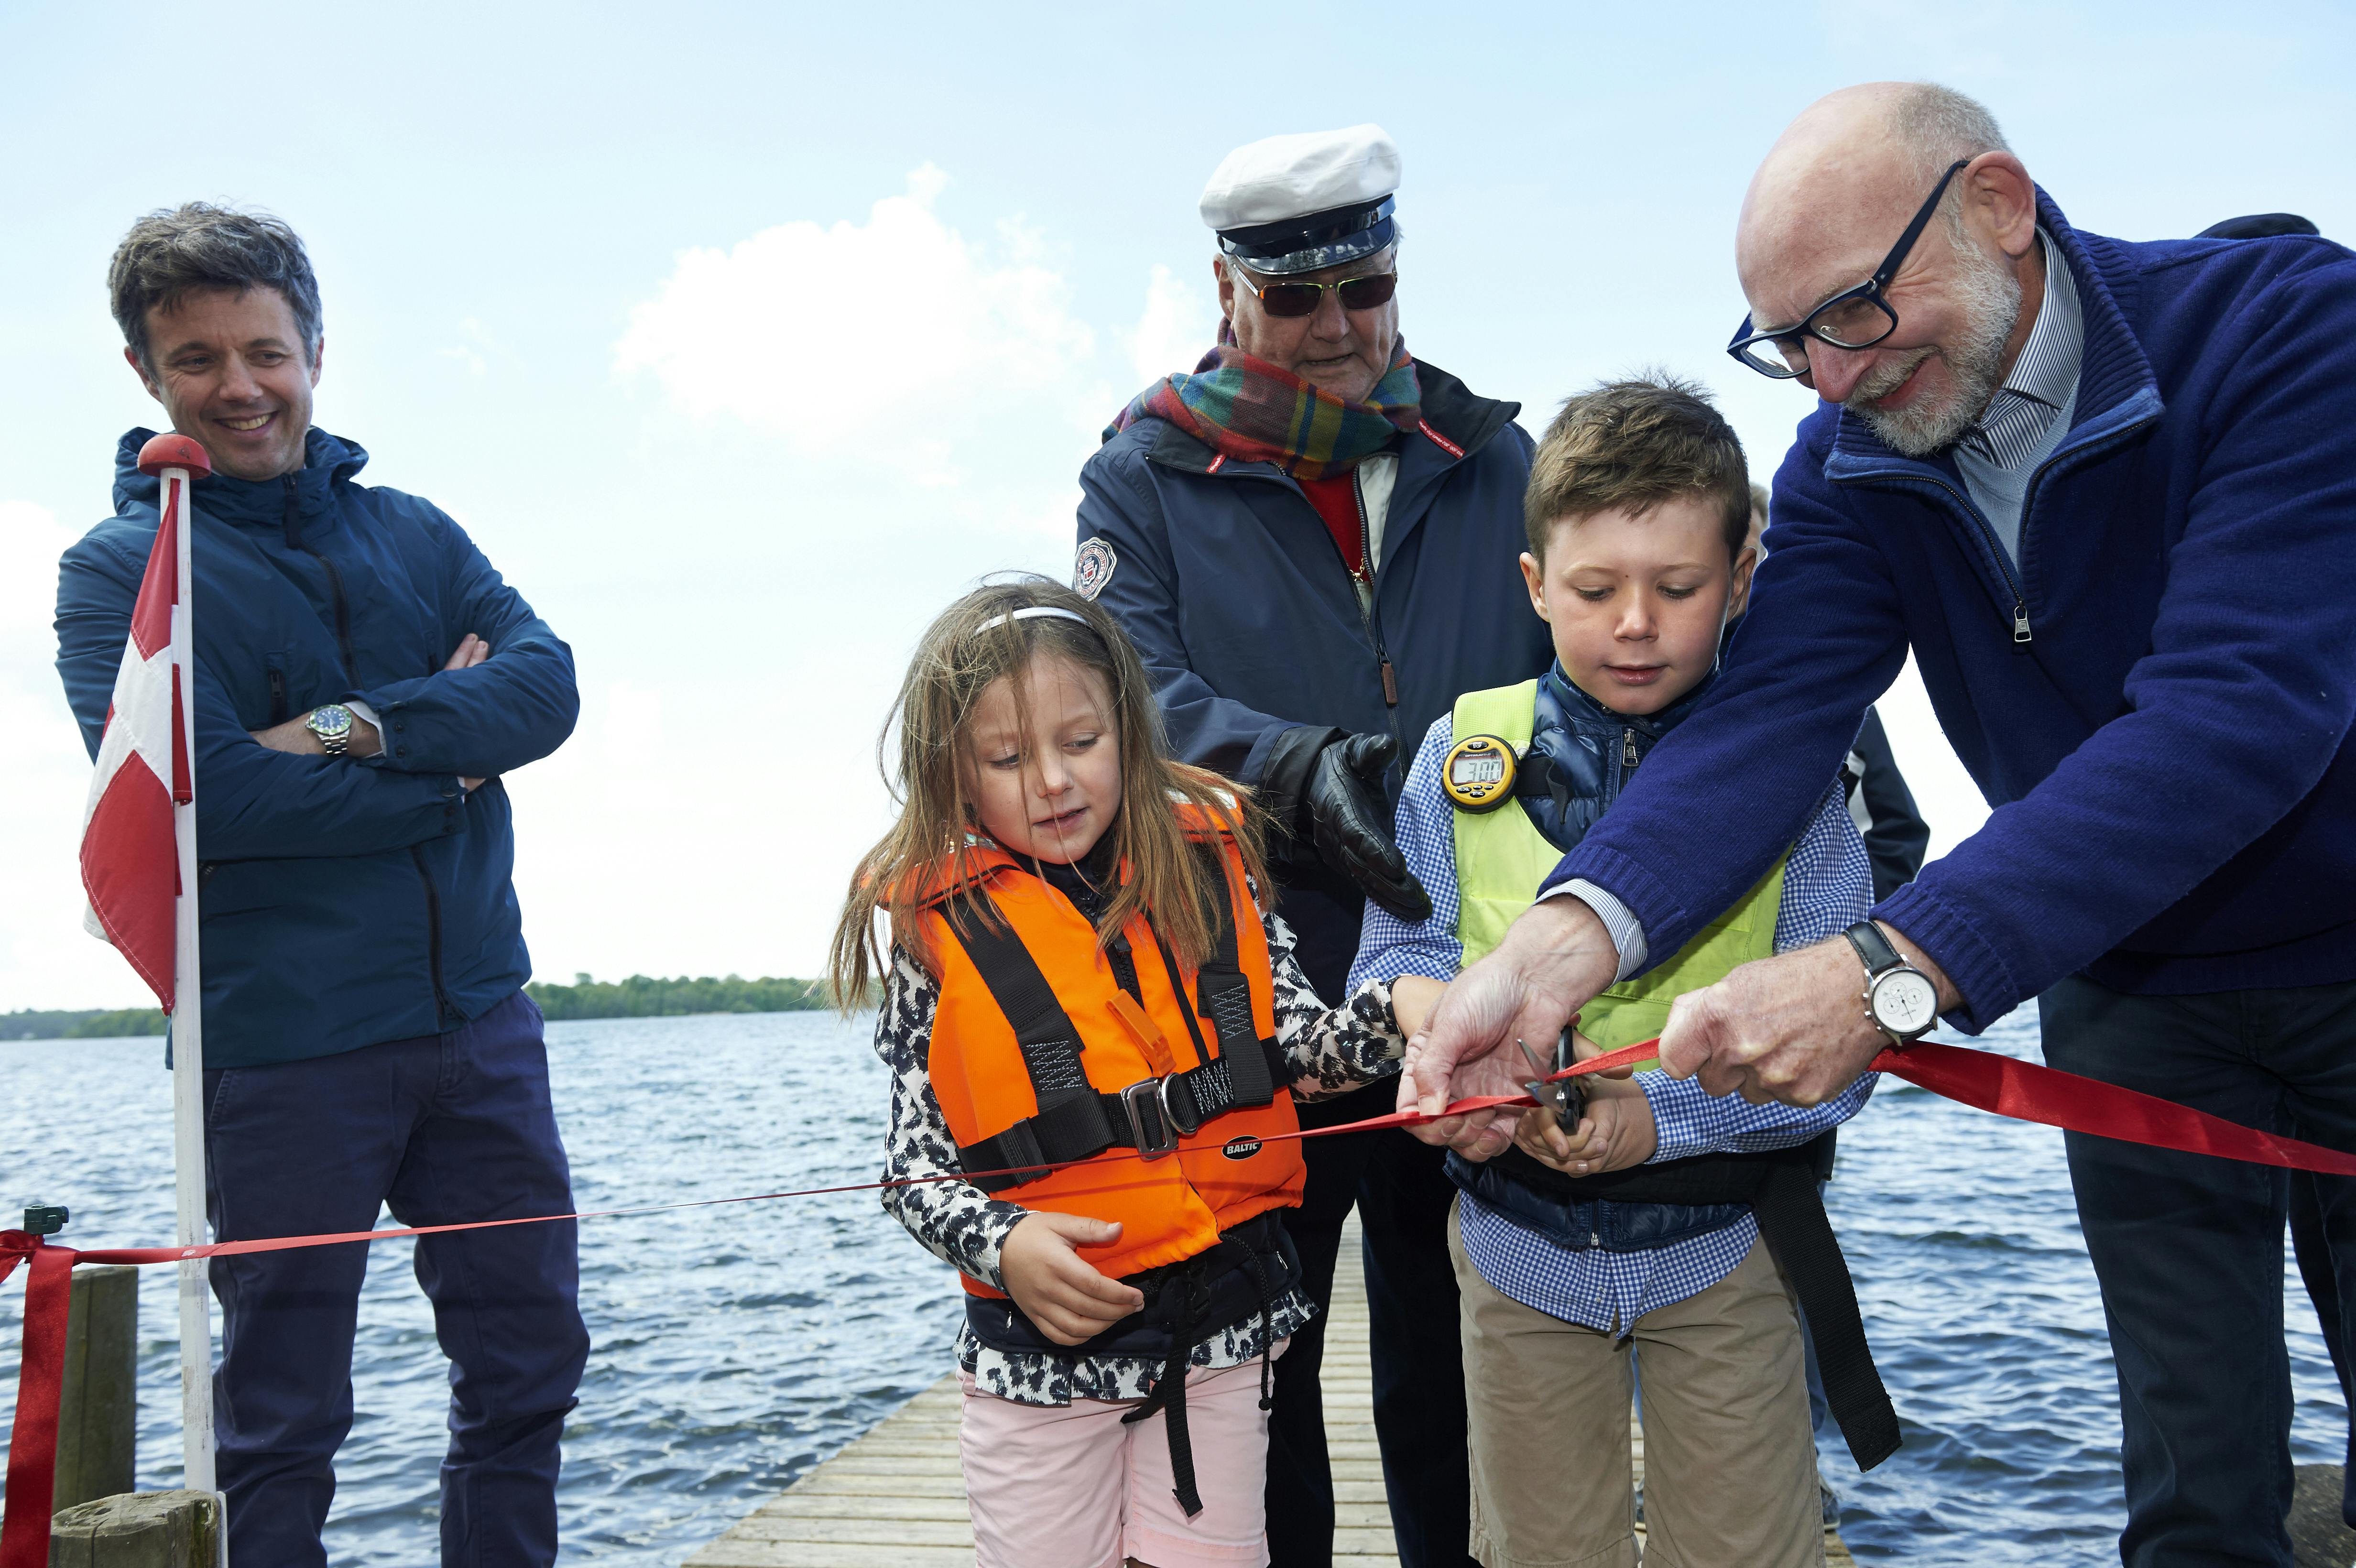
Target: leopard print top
1330,1049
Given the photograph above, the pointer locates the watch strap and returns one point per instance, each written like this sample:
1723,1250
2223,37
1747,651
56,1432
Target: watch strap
1872,948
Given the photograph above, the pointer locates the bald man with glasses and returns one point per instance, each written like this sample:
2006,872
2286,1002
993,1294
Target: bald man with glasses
2105,492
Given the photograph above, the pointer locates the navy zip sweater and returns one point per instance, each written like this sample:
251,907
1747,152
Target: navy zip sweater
2155,702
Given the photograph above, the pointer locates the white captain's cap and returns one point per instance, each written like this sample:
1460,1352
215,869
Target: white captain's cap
1293,203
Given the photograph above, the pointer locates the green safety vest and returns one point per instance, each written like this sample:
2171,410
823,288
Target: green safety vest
1501,859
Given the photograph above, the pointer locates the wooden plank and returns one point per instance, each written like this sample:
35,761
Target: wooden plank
896,1495
98,1403
138,1530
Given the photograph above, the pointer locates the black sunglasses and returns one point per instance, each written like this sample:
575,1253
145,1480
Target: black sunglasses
1301,299
1855,318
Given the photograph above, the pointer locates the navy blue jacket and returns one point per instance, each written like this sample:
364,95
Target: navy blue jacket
1245,612
2156,701
344,904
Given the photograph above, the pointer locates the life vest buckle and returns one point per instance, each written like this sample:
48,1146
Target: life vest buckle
1150,1121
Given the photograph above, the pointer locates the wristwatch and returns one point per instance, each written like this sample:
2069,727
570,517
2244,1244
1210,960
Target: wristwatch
1899,999
332,722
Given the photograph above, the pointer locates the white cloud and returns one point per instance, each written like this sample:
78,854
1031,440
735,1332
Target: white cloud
869,335
1179,324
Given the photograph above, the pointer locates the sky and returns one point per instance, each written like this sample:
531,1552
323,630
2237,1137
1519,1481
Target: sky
744,338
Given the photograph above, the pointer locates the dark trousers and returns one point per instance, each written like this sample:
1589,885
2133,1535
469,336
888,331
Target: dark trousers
444,1129
1402,1194
2188,1249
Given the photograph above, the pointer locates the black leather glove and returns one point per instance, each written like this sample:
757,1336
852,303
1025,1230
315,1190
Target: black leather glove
1324,786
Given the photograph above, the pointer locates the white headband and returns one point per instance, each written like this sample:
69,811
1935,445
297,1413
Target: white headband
1033,612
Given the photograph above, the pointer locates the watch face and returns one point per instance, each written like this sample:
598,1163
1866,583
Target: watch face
1905,1002
329,718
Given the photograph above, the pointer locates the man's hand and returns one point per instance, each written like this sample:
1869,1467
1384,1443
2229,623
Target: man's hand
1617,1132
1554,960
1792,1028
1055,1286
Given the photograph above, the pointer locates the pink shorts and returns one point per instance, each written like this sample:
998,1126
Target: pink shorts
1054,1485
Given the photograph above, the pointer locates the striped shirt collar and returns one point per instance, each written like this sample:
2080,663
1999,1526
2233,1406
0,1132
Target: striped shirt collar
2022,413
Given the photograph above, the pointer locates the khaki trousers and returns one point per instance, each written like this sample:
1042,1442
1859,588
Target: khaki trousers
1729,1465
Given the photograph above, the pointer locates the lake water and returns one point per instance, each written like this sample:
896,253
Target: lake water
736,1347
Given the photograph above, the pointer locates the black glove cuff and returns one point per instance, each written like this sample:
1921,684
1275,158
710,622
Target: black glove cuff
1284,777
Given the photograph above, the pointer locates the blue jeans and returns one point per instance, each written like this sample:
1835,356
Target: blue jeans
2188,1249
444,1128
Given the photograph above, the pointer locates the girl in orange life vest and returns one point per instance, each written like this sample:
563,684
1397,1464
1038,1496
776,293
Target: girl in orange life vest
1081,978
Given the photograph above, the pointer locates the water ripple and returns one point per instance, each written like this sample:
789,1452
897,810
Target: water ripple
735,1347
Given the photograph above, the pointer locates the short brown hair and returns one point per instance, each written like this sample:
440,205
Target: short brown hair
1634,444
173,252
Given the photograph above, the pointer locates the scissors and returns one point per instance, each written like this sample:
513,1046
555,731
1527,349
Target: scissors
1566,1097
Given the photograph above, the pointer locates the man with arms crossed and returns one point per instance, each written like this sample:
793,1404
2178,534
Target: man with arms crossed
2106,492
363,677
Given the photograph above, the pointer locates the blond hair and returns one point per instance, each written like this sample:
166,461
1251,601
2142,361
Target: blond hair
936,842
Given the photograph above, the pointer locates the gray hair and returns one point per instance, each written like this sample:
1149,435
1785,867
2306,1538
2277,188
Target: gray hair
172,253
1938,126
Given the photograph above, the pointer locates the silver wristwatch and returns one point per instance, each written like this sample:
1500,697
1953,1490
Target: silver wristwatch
332,722
1899,999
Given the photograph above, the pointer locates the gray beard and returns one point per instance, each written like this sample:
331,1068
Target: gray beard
1990,297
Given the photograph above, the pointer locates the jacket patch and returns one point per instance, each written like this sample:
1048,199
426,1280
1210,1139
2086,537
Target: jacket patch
1092,568
1241,1148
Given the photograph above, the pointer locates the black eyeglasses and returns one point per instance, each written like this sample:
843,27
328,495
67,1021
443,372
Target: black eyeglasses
1855,318
1302,299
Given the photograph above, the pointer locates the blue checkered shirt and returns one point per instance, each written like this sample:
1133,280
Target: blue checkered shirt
1828,886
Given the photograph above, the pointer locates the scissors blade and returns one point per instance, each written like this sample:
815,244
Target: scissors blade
1548,1094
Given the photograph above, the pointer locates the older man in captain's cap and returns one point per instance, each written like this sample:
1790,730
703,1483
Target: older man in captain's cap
2105,492
1312,538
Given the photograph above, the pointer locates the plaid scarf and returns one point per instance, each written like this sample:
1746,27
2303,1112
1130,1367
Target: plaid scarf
1253,411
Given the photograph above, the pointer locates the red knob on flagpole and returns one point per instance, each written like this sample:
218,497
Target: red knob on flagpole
173,450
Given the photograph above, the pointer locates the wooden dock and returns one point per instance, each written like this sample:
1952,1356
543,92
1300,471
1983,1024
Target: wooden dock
896,1497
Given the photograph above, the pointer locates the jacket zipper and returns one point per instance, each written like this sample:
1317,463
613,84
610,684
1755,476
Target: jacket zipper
293,529
442,1008
2020,632
1365,574
277,696
2020,635
1628,757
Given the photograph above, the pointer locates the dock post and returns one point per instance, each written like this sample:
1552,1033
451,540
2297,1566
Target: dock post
98,1409
140,1530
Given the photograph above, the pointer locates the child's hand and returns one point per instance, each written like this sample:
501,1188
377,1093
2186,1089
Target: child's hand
1617,1132
1413,998
1055,1286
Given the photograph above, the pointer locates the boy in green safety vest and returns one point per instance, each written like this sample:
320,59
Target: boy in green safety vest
1666,1227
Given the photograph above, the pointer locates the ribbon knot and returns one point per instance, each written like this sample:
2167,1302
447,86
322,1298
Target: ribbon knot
16,1247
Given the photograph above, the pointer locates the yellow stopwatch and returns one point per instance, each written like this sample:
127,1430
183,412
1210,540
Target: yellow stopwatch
1479,773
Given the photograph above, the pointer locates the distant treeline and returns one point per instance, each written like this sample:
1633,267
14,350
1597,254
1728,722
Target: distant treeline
89,1024
646,997
639,996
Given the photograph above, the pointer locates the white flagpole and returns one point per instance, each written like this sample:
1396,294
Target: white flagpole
188,1039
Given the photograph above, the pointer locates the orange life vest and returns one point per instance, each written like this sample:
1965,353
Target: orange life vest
1039,1055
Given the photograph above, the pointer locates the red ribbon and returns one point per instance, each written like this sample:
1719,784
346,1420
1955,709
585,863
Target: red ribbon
2024,1091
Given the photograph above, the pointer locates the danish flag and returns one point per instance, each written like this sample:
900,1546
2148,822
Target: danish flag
130,851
